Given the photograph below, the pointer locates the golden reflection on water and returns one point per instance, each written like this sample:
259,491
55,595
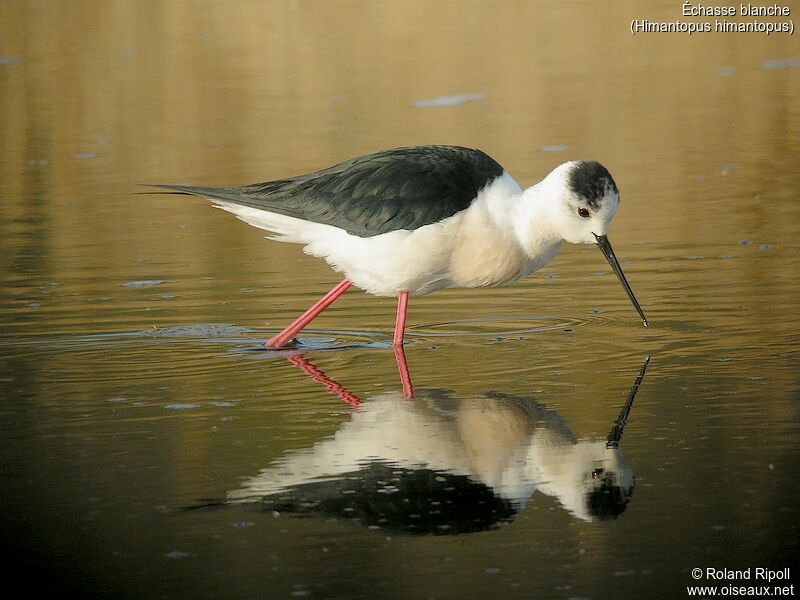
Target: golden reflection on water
701,139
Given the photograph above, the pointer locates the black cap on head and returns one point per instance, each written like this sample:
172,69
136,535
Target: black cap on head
591,180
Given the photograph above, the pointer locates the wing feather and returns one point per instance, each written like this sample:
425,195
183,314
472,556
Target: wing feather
404,188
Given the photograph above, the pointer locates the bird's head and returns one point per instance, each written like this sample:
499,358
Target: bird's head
583,199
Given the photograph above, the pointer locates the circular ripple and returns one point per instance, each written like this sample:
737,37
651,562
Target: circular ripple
492,327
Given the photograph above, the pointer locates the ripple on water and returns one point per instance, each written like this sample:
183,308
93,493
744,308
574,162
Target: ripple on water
137,355
202,330
490,329
194,350
493,327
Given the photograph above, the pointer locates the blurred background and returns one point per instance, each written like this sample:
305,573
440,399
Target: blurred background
129,388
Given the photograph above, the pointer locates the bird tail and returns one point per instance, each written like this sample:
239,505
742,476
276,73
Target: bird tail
230,194
284,228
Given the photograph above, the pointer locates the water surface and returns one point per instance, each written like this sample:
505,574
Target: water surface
148,442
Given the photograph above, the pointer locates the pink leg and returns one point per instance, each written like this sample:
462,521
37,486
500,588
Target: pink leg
285,336
402,368
400,322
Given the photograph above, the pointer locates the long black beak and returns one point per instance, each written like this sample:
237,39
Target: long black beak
608,252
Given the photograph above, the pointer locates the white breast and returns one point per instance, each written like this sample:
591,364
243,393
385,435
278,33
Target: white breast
473,248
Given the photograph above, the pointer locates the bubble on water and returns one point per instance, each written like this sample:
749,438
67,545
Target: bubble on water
725,72
554,148
176,554
781,63
243,524
85,155
764,247
444,101
143,283
745,243
181,406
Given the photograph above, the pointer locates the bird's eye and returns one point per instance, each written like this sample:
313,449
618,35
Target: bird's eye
583,212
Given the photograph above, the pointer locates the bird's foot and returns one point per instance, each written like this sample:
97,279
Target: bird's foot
292,344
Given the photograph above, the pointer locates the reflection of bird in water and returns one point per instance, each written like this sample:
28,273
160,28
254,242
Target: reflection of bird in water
439,464
410,221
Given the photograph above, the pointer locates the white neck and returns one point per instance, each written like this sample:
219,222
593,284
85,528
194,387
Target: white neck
533,224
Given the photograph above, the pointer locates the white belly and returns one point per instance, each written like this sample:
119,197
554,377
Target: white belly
424,260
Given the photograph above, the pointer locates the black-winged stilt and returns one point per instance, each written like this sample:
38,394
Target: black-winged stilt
410,221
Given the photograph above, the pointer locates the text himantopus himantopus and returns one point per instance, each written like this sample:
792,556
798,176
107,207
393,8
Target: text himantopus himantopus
410,221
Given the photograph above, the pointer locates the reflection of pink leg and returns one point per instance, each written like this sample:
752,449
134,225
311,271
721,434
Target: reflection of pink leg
397,343
285,336
402,368
314,373
400,322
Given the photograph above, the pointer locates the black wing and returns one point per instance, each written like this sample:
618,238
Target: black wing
404,188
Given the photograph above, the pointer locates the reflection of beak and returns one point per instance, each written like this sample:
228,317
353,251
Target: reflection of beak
608,252
615,435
